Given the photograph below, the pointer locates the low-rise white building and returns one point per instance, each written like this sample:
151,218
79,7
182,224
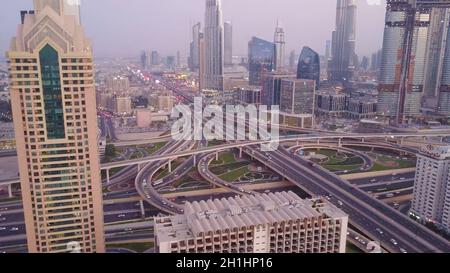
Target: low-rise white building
266,223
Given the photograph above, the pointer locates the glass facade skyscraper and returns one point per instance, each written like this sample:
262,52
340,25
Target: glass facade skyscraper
403,61
341,66
261,58
309,66
214,45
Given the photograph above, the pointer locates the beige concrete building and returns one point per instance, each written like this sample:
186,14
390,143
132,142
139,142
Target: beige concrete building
54,109
118,84
122,105
165,103
431,201
143,118
266,223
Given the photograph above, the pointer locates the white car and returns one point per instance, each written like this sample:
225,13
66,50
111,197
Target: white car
379,231
121,215
402,250
2,228
14,229
394,242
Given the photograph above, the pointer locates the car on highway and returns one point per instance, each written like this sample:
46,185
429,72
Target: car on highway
2,228
394,242
121,216
379,230
402,250
14,229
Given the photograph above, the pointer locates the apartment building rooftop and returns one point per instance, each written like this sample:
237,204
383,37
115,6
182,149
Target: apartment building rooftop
241,211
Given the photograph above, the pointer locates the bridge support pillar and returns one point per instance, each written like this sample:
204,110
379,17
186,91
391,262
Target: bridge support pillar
340,142
107,176
363,140
318,141
10,193
298,143
195,160
402,140
141,205
217,156
240,152
170,166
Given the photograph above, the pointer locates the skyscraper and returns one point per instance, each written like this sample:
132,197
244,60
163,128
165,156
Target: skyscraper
341,66
437,67
156,58
261,58
280,45
297,96
327,54
403,61
214,45
309,66
201,62
292,60
271,87
194,52
228,43
55,121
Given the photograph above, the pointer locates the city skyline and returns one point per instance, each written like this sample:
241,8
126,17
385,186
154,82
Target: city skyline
189,146
103,26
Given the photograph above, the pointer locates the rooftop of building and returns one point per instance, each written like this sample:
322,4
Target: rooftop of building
436,152
241,211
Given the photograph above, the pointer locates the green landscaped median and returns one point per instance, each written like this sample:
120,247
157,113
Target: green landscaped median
224,158
235,175
155,148
384,163
137,247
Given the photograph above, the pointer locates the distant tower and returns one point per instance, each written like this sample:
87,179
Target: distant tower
260,59
194,53
292,60
280,45
228,43
327,53
309,66
214,45
55,121
341,66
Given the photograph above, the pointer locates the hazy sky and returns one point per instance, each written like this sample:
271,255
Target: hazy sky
125,27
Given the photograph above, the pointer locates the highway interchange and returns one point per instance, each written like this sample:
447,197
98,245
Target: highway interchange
368,215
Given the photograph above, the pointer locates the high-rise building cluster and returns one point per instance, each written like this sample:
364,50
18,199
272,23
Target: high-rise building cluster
415,62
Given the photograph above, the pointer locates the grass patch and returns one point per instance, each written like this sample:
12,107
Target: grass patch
235,174
341,167
137,247
221,169
156,147
351,248
400,164
224,158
